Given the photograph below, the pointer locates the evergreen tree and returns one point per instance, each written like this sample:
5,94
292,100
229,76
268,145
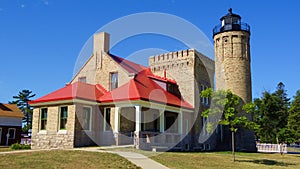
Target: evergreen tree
22,100
271,114
294,118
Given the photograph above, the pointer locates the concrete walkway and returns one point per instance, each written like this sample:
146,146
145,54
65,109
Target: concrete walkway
136,158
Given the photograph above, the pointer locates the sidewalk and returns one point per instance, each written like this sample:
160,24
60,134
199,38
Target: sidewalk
136,158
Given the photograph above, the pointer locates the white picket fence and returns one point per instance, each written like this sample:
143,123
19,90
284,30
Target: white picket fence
271,148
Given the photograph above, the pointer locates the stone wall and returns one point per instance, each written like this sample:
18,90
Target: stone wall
90,136
52,137
232,54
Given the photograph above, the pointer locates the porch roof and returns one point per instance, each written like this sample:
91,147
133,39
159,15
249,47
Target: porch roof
142,87
77,90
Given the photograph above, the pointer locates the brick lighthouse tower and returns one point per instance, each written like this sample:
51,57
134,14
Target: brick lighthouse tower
232,67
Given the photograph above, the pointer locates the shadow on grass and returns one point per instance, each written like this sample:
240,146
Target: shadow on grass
267,162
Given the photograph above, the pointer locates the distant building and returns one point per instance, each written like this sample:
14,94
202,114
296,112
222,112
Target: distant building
10,124
113,101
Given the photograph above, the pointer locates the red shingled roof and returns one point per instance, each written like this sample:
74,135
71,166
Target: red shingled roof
129,66
143,88
77,90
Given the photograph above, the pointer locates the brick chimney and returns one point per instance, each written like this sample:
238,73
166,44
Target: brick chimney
101,42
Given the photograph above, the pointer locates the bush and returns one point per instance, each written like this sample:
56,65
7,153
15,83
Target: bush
18,146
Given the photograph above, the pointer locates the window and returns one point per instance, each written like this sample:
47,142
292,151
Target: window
44,118
63,117
87,114
113,80
106,119
12,133
82,79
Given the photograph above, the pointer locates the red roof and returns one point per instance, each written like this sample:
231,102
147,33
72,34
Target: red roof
77,90
143,88
129,66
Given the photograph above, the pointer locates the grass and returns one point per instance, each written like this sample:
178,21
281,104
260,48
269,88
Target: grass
224,160
4,148
64,159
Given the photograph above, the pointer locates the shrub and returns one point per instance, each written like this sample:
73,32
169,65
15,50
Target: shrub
18,146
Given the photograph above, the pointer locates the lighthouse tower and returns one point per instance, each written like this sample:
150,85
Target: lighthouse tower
232,66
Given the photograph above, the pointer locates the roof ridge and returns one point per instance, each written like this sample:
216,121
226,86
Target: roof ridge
123,63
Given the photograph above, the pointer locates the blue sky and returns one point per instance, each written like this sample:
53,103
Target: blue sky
40,40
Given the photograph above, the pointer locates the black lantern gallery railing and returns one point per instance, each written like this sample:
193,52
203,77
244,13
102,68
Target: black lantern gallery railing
231,27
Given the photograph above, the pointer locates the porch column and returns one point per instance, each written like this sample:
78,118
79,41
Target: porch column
162,121
117,126
117,119
138,120
180,126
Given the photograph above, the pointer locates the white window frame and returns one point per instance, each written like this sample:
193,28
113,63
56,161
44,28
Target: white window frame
104,119
14,137
91,115
40,119
59,118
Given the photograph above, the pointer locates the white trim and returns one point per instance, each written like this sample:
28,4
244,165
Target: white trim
148,104
62,132
72,101
14,137
138,117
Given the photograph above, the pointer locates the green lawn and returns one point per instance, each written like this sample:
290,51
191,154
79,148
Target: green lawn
63,159
4,149
223,160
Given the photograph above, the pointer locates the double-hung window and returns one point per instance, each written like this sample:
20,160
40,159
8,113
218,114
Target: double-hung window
113,80
44,114
63,117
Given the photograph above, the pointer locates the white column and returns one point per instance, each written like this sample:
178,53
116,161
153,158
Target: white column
162,121
180,126
138,118
117,119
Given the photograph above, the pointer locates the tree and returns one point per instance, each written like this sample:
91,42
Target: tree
294,118
226,109
271,114
22,100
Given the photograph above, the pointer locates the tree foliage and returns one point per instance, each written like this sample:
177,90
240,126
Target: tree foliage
271,114
227,109
22,100
293,125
